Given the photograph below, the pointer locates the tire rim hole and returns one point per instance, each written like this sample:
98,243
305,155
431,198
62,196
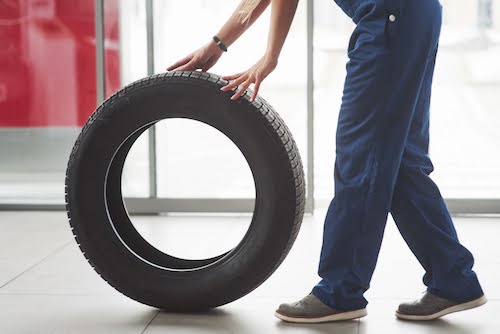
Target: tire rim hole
180,241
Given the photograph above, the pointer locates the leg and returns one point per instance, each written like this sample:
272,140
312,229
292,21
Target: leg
385,73
422,217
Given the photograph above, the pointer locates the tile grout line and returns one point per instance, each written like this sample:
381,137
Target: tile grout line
37,263
149,323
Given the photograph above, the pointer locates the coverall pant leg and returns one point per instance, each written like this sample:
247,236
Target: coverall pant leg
421,215
381,162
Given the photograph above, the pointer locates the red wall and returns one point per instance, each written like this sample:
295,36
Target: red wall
47,61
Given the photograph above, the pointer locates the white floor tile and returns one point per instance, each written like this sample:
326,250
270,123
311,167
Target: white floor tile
72,314
66,272
25,239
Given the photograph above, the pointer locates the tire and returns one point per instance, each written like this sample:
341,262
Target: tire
102,227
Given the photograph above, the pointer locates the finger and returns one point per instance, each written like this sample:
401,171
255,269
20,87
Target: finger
255,90
233,76
205,67
241,90
191,66
234,83
211,62
179,63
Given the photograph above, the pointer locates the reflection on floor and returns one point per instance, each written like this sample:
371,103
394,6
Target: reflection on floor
46,286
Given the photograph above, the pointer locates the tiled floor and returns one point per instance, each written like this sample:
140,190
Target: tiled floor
46,286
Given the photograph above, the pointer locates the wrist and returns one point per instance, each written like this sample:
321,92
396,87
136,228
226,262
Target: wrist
220,44
271,57
213,47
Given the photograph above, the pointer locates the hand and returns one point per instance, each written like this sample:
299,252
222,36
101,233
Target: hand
255,74
203,58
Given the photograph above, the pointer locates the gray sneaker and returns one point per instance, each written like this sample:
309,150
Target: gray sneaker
311,310
431,307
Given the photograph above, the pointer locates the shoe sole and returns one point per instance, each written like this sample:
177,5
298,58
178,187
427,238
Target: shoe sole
348,315
455,308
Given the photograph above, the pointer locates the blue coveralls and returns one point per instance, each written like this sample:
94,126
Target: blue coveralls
382,163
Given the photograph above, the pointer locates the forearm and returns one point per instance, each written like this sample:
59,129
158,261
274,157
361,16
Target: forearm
282,13
234,28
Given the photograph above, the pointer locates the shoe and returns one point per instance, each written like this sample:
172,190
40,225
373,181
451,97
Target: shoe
311,310
431,307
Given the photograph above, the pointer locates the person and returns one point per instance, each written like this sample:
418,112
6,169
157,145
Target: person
382,164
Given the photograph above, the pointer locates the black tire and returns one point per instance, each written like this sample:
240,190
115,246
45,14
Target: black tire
103,229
